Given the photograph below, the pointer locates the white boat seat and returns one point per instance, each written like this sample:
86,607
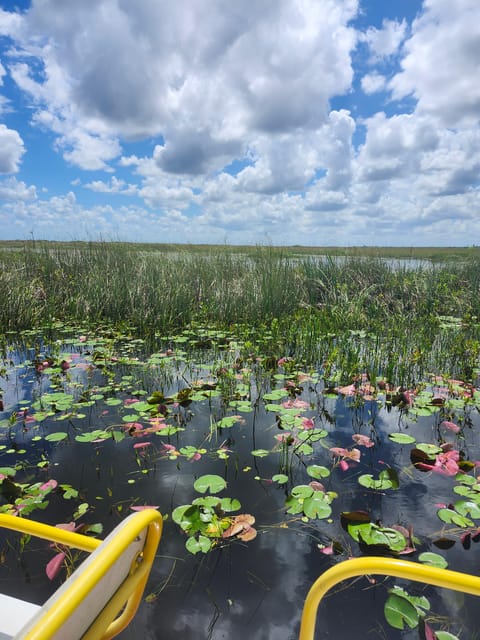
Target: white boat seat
14,613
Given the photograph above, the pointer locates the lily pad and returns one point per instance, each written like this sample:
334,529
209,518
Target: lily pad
56,437
449,516
260,453
211,483
317,471
401,438
433,560
316,506
203,544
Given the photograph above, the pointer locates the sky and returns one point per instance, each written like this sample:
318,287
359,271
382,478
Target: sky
309,122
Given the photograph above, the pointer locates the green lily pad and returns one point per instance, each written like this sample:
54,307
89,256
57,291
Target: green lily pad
403,609
56,437
203,545
211,483
428,448
260,453
433,560
400,612
449,516
401,438
467,507
316,506
302,491
317,471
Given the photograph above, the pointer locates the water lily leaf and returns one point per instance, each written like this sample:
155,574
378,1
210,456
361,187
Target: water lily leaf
430,449
276,394
312,435
317,471
207,501
178,516
169,431
465,479
401,438
449,516
57,436
96,528
421,603
316,506
382,536
455,403
368,481
243,406
467,492
402,608
400,612
8,471
113,402
227,422
281,478
212,483
466,507
293,505
305,448
68,491
260,453
230,504
276,408
433,560
211,393
131,417
445,635
40,416
93,436
203,544
302,491
422,411
141,407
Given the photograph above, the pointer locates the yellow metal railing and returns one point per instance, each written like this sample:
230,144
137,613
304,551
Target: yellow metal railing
123,605
380,566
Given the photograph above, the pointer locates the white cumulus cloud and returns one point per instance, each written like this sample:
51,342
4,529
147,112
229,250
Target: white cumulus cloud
11,150
386,41
441,65
208,77
373,82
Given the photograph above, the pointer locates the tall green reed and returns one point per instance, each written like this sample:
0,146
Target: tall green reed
352,313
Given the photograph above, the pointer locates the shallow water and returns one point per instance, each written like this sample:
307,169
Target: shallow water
239,589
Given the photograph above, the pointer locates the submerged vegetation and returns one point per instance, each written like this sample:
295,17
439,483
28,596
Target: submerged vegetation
250,395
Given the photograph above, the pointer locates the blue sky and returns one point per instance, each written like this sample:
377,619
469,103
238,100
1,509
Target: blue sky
313,122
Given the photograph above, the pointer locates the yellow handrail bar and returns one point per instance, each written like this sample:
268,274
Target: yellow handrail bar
48,532
380,566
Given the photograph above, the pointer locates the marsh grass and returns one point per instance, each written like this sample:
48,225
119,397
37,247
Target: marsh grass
349,314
